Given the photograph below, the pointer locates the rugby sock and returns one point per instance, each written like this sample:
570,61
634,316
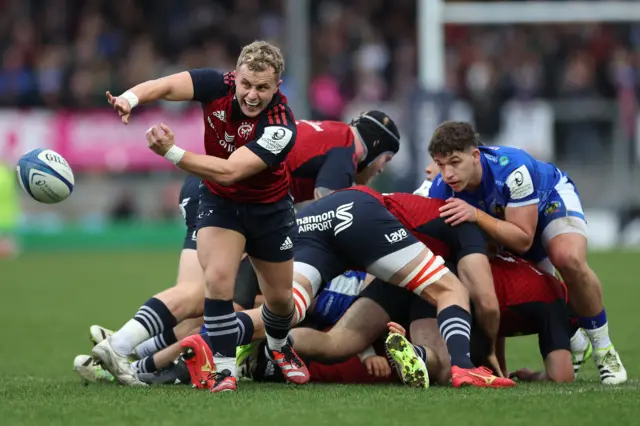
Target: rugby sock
221,323
145,365
579,342
597,329
245,329
421,352
151,320
455,327
276,328
154,344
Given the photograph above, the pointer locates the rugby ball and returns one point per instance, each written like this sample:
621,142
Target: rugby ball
45,175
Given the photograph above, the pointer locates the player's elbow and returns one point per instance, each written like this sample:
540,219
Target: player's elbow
524,244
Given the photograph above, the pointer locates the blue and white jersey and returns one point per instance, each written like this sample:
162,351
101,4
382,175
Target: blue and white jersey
334,300
510,178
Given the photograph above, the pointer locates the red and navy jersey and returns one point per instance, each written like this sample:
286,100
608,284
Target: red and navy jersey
271,136
421,216
324,156
526,294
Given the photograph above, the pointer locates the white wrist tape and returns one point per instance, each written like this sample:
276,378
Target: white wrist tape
131,98
174,154
366,353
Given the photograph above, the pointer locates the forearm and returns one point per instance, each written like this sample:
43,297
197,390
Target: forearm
505,233
176,87
501,354
207,167
475,273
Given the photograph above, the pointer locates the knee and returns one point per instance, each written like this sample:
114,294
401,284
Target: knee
220,282
568,262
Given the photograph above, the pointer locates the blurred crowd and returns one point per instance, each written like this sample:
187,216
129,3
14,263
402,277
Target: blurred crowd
65,53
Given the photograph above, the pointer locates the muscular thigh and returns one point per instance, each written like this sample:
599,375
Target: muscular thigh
360,326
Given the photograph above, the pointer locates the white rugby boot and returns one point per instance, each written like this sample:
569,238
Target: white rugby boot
611,370
116,364
98,333
90,371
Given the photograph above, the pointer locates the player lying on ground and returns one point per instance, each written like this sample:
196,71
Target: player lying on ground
530,207
244,204
325,310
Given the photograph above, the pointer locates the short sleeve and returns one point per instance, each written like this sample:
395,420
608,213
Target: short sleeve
520,188
208,84
275,135
338,169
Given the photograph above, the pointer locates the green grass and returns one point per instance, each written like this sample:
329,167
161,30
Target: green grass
47,303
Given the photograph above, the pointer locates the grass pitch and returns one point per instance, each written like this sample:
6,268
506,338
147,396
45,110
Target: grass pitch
48,302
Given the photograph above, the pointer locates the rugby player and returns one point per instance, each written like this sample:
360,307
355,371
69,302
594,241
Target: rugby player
531,208
243,204
353,229
331,155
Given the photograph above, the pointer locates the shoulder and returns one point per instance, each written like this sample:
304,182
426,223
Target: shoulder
276,130
210,84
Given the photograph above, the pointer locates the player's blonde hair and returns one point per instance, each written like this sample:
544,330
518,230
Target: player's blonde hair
260,55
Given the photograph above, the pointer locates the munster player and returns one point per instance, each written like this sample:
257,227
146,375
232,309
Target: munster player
244,206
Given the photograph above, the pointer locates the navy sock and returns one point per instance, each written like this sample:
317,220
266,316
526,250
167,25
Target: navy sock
455,327
245,327
146,365
222,327
276,326
155,317
421,352
591,323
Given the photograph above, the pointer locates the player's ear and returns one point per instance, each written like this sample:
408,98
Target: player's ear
475,153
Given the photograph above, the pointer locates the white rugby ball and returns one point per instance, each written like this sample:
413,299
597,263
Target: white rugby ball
45,175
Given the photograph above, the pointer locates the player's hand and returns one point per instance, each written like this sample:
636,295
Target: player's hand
458,211
160,139
492,360
525,374
394,327
377,366
121,105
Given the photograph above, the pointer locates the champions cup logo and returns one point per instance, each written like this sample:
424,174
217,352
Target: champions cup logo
245,130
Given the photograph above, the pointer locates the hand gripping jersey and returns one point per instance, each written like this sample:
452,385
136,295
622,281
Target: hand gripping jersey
270,135
323,157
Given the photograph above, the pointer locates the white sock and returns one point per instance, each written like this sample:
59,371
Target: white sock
599,337
579,341
128,337
225,363
276,344
147,348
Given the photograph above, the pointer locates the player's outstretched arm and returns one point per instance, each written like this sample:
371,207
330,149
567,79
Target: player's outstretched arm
175,87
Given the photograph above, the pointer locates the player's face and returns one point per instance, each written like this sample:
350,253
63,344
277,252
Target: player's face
255,89
373,169
460,169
